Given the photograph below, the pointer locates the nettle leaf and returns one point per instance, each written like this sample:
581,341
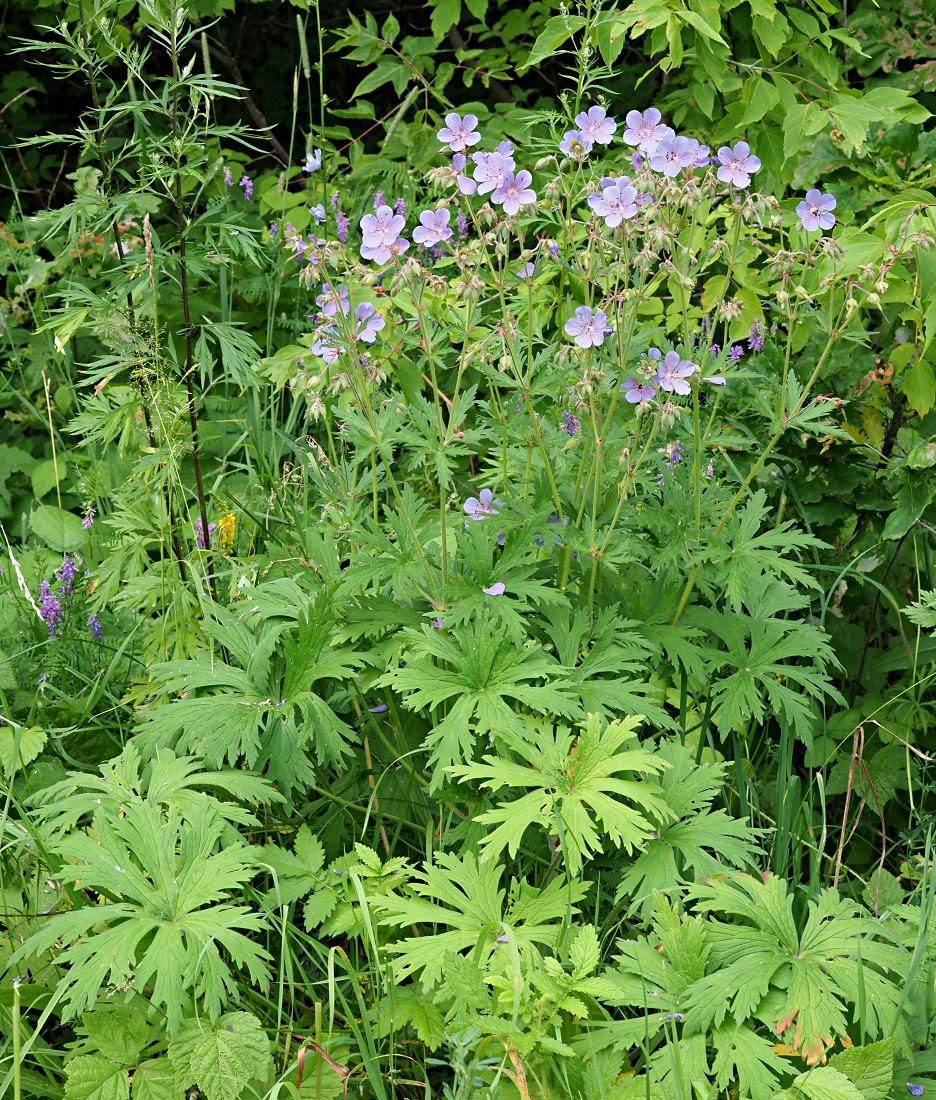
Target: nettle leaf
699,842
481,670
466,898
155,1079
96,1077
170,936
578,794
223,1058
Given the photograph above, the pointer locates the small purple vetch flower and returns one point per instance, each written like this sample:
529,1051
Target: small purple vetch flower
379,199
313,161
735,353
66,575
756,337
737,165
673,373
646,130
514,192
368,322
50,609
399,207
228,178
588,327
459,133
496,589
433,228
615,203
575,145
342,225
483,505
596,126
88,518
247,184
201,541
94,625
569,424
815,211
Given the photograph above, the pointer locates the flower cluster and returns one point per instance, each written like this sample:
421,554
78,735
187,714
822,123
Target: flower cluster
670,373
58,595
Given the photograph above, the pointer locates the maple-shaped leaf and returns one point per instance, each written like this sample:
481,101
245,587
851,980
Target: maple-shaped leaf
839,958
588,786
697,841
466,898
221,1058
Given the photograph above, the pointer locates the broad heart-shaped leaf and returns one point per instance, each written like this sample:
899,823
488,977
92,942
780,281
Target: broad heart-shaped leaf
96,1077
822,1083
577,794
19,746
57,528
467,898
870,1068
169,937
155,1079
221,1059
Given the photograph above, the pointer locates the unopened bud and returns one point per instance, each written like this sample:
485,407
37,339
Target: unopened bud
874,300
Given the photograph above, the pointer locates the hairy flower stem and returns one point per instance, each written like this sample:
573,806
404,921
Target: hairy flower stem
131,312
755,470
177,203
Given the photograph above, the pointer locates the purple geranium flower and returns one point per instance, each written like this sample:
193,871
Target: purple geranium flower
526,271
380,232
646,130
458,133
490,169
433,228
673,372
381,708
575,145
368,322
815,211
313,161
588,327
737,165
637,390
672,155
915,1090
596,126
615,203
483,505
700,153
514,192
496,589
330,301
318,212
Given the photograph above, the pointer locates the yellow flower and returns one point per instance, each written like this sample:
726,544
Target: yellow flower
226,530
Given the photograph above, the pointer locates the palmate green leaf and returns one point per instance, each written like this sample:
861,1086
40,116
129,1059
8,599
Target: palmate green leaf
578,794
838,959
222,1058
481,670
745,1059
700,842
171,932
467,899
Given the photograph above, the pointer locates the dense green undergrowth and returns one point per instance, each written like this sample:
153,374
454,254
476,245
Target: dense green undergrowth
467,609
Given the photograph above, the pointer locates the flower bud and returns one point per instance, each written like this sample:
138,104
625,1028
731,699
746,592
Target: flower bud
874,300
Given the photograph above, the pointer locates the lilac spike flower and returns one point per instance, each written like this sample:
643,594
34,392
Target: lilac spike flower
368,322
88,519
228,178
756,337
66,575
672,155
673,373
483,505
815,211
94,625
201,541
514,192
399,207
588,327
646,130
331,301
379,199
596,125
575,145
50,609
615,203
461,223
737,165
459,133
247,184
433,228
570,424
